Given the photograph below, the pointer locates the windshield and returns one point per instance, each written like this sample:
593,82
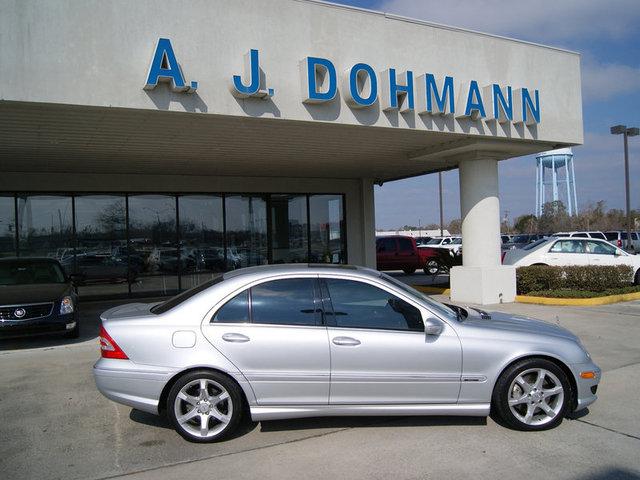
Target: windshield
186,295
438,307
434,241
521,239
27,272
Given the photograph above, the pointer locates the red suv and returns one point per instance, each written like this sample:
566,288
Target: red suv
401,253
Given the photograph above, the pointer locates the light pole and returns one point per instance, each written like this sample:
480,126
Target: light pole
626,132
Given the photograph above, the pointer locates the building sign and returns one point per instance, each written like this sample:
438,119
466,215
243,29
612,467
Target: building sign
362,87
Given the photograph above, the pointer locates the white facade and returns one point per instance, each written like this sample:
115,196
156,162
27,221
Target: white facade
79,110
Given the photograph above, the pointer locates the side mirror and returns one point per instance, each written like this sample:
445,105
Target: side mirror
433,326
617,253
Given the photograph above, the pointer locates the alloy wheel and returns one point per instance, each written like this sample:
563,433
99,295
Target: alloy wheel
536,396
203,408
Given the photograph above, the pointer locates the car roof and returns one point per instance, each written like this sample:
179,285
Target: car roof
301,268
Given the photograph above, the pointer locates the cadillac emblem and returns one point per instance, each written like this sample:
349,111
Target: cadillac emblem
19,312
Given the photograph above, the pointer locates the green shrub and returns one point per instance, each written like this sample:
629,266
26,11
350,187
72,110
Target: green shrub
538,278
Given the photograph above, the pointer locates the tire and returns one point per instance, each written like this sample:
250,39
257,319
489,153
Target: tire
432,267
637,279
527,411
189,413
409,271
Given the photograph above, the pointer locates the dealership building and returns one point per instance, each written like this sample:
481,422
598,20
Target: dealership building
149,144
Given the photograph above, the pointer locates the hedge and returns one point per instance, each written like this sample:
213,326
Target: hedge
592,278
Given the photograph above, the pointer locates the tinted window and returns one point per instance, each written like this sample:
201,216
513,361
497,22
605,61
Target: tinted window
533,245
598,235
178,299
359,305
406,245
387,245
235,310
568,246
581,235
634,236
288,302
601,248
611,235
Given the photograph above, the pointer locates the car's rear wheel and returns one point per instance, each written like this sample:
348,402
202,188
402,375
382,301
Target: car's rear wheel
432,267
637,279
533,394
205,406
409,271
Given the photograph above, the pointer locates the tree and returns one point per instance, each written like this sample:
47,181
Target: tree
526,224
455,226
554,218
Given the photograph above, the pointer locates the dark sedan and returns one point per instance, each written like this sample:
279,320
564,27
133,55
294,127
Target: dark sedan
36,297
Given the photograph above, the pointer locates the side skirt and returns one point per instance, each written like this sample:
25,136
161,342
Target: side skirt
259,413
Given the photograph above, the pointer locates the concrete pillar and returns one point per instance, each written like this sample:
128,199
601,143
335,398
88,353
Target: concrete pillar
481,279
368,216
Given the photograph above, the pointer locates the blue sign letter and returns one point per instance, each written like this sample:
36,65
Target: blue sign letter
502,108
165,68
474,107
360,74
392,91
430,100
319,81
527,109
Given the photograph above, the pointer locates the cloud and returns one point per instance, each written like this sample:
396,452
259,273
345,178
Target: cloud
539,21
601,82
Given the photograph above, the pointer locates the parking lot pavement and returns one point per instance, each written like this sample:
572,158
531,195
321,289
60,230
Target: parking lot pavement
54,424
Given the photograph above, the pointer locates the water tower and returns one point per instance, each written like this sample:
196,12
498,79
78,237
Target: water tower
561,177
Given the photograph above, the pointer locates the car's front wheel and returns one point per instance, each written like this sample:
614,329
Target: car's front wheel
432,267
533,394
204,406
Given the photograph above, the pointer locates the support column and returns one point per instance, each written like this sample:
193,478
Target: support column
481,278
368,216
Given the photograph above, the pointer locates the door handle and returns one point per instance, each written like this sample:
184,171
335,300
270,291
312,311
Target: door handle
346,341
235,337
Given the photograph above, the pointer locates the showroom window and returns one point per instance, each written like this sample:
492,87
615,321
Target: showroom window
126,244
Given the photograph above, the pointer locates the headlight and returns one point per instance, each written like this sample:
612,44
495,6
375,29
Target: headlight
66,306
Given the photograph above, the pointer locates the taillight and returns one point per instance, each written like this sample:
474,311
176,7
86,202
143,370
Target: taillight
502,256
109,348
619,243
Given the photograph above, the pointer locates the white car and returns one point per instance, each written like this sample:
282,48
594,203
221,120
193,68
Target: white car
450,243
572,251
595,234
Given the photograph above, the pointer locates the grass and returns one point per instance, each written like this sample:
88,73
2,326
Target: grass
583,293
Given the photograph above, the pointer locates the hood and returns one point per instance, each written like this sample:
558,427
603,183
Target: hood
129,310
516,323
33,293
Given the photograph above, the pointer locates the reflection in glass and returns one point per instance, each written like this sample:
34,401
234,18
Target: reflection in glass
289,240
101,253
327,229
45,227
201,238
246,218
7,227
153,242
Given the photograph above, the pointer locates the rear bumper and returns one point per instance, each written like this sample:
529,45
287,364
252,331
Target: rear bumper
52,324
586,388
131,384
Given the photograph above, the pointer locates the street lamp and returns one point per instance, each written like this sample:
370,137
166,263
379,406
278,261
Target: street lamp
626,132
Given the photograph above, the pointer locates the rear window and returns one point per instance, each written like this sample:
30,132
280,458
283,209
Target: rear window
611,235
535,244
186,295
599,235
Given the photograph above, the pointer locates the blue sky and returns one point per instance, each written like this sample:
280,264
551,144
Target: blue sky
606,34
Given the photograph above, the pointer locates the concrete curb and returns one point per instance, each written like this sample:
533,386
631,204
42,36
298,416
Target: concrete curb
436,290
579,302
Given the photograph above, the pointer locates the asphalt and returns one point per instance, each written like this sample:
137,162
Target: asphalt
55,425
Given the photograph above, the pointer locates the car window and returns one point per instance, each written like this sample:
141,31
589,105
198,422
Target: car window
599,235
286,302
611,235
581,235
360,305
533,245
405,244
186,295
600,248
446,241
235,310
634,236
434,241
568,246
387,245
456,241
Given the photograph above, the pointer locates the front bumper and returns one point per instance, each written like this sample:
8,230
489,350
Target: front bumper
586,387
52,324
128,383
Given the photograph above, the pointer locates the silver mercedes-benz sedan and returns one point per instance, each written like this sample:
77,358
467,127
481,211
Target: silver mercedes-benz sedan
290,341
